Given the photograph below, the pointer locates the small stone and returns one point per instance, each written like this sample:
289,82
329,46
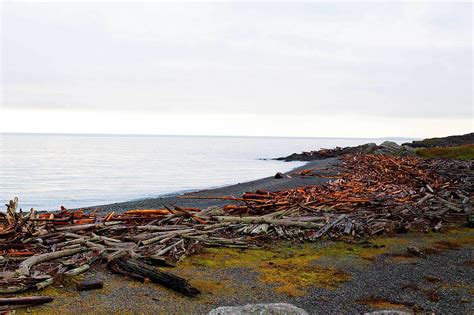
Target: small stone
259,309
279,175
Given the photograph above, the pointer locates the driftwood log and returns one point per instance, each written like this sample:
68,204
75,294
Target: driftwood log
263,219
25,266
28,300
89,285
166,279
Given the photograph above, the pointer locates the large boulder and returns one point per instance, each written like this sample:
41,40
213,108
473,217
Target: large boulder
259,309
391,146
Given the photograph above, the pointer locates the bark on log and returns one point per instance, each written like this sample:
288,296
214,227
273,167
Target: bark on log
89,285
158,261
166,279
28,300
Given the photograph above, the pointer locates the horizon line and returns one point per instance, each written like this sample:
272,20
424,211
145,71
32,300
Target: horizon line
184,135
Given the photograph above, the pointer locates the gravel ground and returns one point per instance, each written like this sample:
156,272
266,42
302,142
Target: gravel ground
402,283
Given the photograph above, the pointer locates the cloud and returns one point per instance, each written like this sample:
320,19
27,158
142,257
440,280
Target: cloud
403,59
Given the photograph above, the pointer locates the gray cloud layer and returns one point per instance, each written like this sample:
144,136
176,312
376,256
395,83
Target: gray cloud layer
393,59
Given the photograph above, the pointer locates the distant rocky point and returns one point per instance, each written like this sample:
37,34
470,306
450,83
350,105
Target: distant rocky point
387,148
451,141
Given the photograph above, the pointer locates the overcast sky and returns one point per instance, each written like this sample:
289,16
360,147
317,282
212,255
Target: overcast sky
285,69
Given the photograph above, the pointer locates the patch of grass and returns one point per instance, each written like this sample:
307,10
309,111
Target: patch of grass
465,152
380,303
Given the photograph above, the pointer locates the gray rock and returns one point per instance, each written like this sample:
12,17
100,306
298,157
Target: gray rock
390,145
408,148
388,312
259,309
279,175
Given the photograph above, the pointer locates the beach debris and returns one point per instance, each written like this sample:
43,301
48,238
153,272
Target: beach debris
169,280
27,300
369,195
416,251
281,175
89,285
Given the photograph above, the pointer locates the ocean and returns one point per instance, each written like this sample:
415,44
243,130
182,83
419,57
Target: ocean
47,171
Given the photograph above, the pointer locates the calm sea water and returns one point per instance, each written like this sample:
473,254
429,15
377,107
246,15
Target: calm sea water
46,171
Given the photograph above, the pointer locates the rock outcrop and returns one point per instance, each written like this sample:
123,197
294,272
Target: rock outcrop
451,141
386,148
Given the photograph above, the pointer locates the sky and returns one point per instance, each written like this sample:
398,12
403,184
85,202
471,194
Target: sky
328,69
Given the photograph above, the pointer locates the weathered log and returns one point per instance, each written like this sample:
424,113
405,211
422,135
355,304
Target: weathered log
167,249
116,269
158,261
166,279
154,228
25,266
76,227
261,220
115,255
89,285
449,204
348,228
76,271
12,246
44,284
27,300
164,236
328,227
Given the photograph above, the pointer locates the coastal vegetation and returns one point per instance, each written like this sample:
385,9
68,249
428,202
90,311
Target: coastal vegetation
465,152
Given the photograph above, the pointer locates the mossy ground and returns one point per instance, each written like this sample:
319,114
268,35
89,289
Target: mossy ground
293,268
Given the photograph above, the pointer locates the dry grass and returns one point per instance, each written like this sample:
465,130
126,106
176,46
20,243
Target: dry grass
465,152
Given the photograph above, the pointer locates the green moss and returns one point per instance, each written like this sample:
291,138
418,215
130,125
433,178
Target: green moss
289,268
465,152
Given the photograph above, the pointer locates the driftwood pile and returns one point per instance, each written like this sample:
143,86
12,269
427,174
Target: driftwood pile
371,194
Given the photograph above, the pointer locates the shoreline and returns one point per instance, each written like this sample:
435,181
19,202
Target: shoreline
266,183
